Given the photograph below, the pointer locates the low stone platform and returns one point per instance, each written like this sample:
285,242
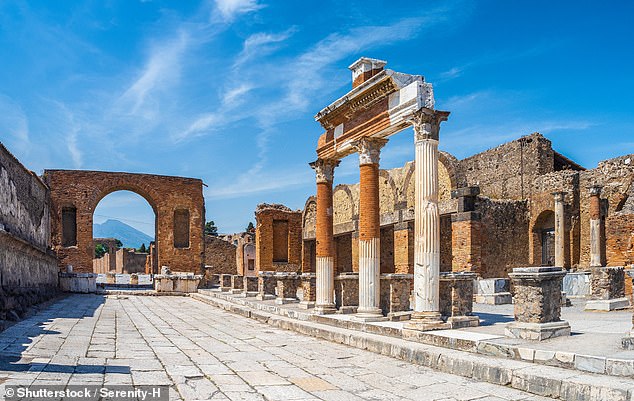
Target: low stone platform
594,347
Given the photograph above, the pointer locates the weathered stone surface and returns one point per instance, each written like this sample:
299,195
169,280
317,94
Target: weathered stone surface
395,293
347,292
607,282
220,256
266,285
287,284
456,294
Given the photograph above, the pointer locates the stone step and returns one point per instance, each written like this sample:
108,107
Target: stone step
547,381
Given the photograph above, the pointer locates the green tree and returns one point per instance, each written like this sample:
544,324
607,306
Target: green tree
100,250
211,229
118,244
250,227
142,248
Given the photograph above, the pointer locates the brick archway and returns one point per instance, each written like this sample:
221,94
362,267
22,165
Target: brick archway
177,202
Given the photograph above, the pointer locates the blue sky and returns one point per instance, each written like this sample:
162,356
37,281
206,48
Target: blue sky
226,90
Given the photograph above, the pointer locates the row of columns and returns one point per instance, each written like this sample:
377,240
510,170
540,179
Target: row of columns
426,124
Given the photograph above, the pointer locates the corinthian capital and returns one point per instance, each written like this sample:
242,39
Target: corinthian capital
324,169
369,150
426,123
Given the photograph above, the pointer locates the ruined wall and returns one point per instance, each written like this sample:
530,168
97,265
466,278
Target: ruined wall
220,256
128,261
504,232
28,270
507,171
174,200
265,216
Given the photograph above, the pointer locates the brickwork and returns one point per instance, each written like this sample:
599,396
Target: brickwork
387,250
343,253
220,256
466,242
404,249
620,239
265,215
369,226
84,189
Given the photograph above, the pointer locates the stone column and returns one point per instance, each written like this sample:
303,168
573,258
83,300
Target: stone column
628,340
560,228
369,229
595,226
325,250
426,315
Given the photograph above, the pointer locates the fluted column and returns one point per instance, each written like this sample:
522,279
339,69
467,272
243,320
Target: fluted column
595,226
559,229
369,229
426,315
325,284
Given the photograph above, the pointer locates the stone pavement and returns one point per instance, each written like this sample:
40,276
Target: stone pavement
202,352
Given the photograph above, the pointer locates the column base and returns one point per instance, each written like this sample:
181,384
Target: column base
264,297
607,305
235,291
537,331
325,309
225,289
248,294
347,310
426,321
369,315
628,341
307,304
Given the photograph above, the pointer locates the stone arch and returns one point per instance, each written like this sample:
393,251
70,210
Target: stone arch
542,229
166,195
344,208
309,217
387,192
447,180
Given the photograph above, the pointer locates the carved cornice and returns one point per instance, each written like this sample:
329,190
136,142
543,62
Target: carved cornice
426,123
324,169
369,150
349,108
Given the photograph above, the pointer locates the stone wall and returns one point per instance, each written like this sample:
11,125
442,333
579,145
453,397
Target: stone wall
265,215
220,256
28,269
174,200
130,261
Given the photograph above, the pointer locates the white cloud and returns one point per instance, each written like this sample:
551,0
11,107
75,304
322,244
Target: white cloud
230,9
260,44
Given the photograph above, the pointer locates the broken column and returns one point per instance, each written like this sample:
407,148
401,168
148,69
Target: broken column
537,304
466,243
369,229
426,315
325,250
560,227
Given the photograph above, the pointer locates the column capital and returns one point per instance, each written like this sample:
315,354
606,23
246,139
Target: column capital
369,150
324,169
595,190
426,123
559,196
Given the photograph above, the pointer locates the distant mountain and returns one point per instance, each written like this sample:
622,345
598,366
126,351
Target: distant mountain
129,236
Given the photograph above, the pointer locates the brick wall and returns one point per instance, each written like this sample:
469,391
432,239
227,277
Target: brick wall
220,256
264,238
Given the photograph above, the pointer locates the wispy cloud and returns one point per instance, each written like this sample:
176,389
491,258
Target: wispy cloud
14,125
261,44
230,9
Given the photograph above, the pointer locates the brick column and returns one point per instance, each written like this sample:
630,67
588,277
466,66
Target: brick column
595,226
466,241
426,315
325,250
369,229
560,226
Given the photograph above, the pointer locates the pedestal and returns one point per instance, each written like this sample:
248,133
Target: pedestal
607,289
308,284
537,304
395,291
347,292
250,286
456,299
225,282
286,288
266,285
237,284
215,280
493,291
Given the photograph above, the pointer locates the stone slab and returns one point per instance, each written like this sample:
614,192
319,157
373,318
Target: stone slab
537,331
607,305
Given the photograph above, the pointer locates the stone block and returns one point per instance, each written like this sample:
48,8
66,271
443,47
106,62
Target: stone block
395,291
456,296
237,284
576,284
590,363
287,284
347,292
179,283
215,280
85,283
607,305
266,285
250,284
225,282
309,290
537,331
